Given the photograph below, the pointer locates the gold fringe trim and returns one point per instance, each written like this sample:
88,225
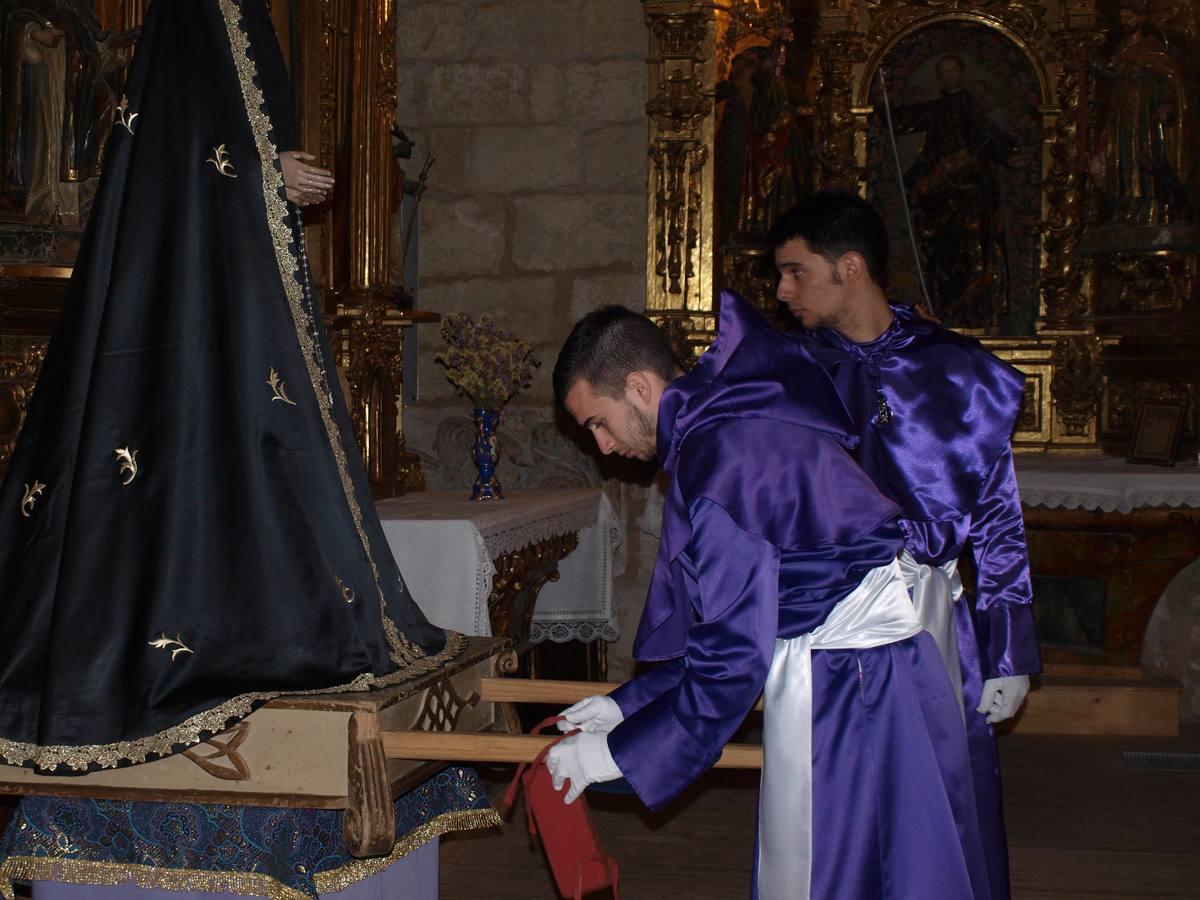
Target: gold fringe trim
251,884
199,727
333,880
404,651
78,871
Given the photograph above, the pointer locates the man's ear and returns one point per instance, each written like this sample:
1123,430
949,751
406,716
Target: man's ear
638,385
852,267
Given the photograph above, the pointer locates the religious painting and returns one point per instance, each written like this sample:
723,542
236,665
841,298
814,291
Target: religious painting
764,141
62,75
1156,432
957,175
1140,146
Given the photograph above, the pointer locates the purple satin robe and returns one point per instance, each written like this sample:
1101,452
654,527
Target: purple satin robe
941,451
756,547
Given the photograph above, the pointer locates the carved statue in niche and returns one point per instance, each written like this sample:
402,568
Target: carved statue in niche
61,87
764,155
970,174
1139,162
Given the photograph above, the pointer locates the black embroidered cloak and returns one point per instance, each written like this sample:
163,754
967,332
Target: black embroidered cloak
186,530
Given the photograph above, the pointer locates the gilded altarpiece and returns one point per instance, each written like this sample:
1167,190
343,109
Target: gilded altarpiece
343,57
1081,262
1063,236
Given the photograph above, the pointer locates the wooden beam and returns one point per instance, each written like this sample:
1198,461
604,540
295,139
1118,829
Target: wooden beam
527,690
514,748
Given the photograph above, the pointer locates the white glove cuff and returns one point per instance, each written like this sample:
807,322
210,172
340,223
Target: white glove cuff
596,760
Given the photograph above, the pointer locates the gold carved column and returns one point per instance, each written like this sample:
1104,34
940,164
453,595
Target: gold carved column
346,78
680,232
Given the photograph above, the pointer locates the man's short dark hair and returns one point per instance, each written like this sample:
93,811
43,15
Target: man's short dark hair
833,223
608,344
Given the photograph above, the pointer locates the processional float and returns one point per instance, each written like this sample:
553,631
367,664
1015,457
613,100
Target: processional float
355,752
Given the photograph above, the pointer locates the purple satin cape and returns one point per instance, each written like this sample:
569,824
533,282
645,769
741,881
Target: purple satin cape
944,455
763,421
953,409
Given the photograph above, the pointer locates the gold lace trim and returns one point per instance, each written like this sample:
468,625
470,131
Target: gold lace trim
203,725
356,870
252,884
404,651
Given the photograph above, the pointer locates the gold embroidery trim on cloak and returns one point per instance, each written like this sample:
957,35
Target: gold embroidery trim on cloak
201,726
404,653
250,884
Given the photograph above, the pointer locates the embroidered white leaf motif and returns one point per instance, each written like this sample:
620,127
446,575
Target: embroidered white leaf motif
279,388
162,642
220,160
124,116
129,466
31,496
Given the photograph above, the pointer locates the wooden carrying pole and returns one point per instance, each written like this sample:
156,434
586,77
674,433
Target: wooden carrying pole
525,690
452,746
520,748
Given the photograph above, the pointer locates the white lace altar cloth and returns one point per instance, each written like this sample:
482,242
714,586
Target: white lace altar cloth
1105,483
445,545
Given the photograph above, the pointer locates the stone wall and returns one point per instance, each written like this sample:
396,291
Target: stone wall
535,214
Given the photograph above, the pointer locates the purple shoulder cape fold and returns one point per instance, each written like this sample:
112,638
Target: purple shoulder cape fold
953,405
758,428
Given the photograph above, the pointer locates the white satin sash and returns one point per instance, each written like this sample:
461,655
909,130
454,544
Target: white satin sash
935,590
875,613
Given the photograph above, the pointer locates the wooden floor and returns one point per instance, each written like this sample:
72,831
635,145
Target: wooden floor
1081,826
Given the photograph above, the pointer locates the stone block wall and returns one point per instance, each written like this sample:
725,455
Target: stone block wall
535,214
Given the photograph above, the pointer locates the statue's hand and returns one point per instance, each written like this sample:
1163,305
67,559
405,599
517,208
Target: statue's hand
304,184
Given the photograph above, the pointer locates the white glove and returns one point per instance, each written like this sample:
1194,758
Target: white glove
1002,697
581,759
598,714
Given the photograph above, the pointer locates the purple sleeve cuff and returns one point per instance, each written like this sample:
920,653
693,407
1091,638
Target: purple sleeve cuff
1008,640
1004,618
648,685
677,761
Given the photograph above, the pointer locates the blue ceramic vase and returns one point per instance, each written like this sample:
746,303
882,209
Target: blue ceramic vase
486,454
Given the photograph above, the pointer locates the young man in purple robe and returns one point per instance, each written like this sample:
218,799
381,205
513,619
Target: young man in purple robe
778,579
933,411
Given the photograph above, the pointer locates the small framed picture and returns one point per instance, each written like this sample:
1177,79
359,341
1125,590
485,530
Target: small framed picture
1156,432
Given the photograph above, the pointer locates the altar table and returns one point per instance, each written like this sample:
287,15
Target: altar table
480,567
1105,539
1107,484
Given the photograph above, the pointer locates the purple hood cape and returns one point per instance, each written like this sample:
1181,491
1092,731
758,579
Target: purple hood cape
725,433
950,422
